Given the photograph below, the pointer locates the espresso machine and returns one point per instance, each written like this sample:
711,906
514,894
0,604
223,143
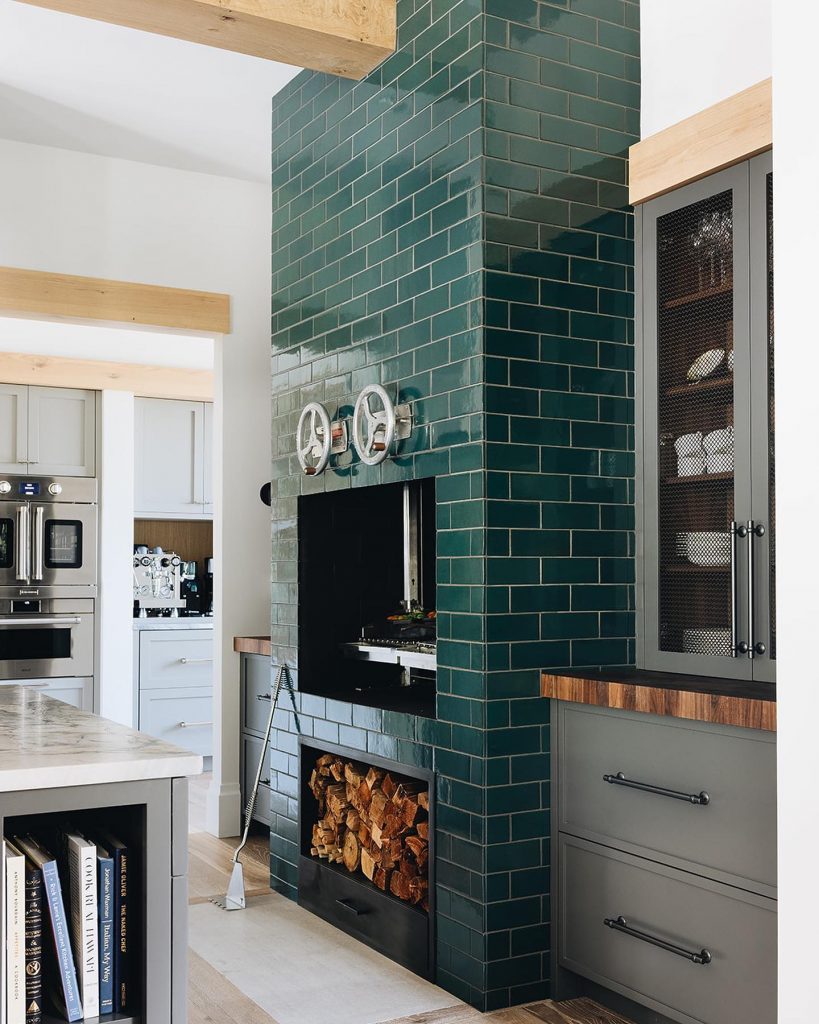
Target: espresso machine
158,578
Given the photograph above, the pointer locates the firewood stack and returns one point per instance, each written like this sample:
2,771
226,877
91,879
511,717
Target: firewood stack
370,823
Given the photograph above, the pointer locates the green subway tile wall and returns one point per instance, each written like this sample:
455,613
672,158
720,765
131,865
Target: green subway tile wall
455,227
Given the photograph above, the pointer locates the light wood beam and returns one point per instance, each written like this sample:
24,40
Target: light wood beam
26,292
727,133
342,37
98,375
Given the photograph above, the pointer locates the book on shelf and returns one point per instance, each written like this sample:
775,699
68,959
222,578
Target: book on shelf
62,988
120,854
15,944
105,914
81,856
35,895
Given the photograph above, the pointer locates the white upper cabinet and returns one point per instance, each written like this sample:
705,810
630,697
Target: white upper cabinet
173,454
47,431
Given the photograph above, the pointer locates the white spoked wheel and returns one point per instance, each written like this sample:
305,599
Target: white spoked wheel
313,439
373,427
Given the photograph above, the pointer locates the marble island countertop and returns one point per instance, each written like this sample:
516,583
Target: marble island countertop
46,744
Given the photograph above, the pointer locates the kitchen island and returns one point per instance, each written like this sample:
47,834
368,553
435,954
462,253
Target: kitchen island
58,763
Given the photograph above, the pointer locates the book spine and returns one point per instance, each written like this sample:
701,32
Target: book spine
83,882
66,971
15,940
106,934
34,946
121,957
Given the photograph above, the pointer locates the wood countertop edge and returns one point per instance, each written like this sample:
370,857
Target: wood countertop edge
743,712
253,645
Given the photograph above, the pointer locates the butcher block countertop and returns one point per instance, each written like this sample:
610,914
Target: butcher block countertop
253,645
721,701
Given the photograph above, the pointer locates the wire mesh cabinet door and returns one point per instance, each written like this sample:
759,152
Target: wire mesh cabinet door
763,500
695,388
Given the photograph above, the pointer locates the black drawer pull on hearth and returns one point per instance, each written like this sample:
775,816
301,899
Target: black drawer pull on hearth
619,924
348,904
703,799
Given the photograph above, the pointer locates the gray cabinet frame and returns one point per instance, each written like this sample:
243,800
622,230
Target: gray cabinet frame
747,183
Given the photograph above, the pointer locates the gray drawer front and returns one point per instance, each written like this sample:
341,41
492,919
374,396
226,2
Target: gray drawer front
176,658
731,839
736,927
251,749
183,717
256,685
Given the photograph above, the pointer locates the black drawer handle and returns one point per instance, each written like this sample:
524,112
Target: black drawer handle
351,907
263,696
703,799
619,924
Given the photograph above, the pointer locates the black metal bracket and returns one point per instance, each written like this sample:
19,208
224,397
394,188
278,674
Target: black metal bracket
348,905
619,924
703,799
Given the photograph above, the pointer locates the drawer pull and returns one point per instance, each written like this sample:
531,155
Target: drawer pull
264,782
347,904
703,799
194,725
619,924
196,661
263,696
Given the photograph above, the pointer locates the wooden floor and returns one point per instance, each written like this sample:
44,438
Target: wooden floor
212,999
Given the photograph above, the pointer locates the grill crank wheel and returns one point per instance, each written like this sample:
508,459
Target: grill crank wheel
313,439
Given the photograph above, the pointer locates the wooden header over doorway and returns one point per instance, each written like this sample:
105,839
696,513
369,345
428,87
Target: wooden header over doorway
39,293
343,37
727,133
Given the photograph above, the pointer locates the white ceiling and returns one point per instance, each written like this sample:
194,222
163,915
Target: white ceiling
84,85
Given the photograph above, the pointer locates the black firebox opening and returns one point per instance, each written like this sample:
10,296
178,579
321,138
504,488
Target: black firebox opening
367,596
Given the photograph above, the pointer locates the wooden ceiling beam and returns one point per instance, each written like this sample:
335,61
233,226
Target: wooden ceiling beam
342,37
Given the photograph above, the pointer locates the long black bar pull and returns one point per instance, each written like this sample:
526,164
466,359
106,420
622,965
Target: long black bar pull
620,924
703,799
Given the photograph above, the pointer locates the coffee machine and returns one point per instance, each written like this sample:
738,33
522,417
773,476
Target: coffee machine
158,579
207,587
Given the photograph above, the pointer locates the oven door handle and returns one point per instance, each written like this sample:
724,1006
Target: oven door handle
23,549
38,542
66,620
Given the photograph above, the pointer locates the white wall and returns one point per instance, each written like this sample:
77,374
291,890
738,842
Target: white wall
696,53
796,157
91,215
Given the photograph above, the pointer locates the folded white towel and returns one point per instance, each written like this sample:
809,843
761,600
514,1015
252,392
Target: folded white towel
719,441
720,462
690,465
689,444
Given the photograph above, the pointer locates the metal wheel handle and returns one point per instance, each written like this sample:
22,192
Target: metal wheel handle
373,431
313,438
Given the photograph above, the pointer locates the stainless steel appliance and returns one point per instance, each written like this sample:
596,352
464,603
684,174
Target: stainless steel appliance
48,537
43,638
158,578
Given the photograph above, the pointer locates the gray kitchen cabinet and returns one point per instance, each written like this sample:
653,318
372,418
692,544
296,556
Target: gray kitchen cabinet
664,853
13,428
174,670
706,516
255,690
173,458
47,431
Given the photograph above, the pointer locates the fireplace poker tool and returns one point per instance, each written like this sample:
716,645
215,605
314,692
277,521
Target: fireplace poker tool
234,899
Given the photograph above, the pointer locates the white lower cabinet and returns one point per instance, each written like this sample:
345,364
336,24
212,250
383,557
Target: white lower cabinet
79,693
175,675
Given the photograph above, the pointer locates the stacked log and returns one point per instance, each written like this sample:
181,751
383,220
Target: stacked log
374,824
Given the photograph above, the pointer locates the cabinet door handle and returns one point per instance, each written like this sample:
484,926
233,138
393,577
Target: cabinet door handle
754,530
196,661
348,905
263,696
194,725
619,924
737,646
703,799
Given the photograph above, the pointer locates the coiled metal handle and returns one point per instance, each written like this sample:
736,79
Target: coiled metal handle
703,799
619,924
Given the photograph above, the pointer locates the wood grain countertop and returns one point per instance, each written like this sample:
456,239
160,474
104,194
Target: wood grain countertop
253,645
721,701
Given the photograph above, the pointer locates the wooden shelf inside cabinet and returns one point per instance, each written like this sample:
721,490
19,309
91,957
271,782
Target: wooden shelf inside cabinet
700,478
698,387
108,1018
701,296
688,568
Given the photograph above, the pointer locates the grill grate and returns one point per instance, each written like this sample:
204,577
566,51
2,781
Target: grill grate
696,420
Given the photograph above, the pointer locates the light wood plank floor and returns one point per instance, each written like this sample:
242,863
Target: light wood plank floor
212,999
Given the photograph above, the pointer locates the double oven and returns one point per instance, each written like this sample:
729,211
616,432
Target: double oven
48,576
